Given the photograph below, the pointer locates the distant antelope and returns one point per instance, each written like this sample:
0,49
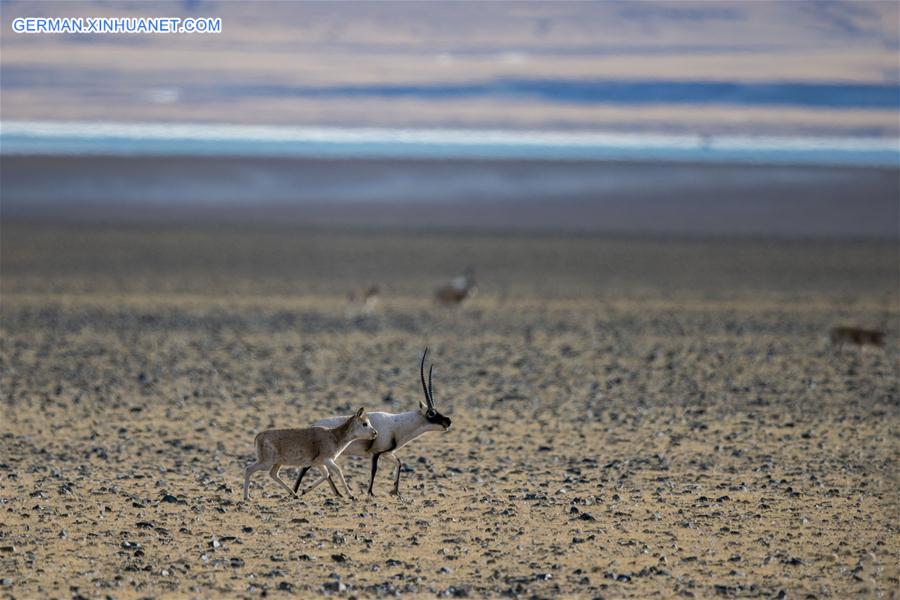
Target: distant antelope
367,299
307,448
457,290
856,336
394,431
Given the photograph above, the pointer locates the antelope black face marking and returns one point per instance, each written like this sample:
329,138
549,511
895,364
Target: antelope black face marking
437,418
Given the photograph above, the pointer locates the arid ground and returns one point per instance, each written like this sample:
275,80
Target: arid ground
632,417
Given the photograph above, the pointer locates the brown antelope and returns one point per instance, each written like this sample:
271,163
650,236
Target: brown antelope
856,336
308,447
457,290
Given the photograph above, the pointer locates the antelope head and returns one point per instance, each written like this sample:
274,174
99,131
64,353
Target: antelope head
436,420
360,427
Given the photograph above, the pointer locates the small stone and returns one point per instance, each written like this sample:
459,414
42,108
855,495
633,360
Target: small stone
286,586
335,586
340,558
237,562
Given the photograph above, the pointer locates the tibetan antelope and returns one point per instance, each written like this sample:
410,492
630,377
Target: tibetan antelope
856,336
394,431
457,290
366,299
307,448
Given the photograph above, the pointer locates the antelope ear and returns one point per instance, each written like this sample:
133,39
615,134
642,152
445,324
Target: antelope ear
360,412
422,405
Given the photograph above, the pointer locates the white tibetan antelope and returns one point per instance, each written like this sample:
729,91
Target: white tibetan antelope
458,290
395,430
309,447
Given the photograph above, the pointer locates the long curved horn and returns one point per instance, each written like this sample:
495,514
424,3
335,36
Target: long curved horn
422,374
430,389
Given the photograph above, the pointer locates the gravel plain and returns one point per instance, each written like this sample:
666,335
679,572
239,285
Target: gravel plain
632,417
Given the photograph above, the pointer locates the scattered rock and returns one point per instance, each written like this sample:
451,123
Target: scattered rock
334,586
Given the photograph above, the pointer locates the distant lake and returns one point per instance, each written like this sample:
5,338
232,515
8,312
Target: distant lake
575,91
175,139
797,94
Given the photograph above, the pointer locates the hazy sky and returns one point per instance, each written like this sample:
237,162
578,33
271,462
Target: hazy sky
273,60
